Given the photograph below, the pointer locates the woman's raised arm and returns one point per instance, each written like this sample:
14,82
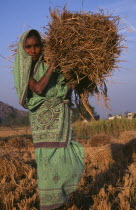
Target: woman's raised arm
39,86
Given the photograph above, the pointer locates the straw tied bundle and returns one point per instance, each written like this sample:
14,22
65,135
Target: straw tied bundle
86,46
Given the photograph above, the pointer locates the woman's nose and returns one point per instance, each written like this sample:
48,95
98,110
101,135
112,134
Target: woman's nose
33,49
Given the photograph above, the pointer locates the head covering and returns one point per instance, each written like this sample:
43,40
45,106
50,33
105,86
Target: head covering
22,69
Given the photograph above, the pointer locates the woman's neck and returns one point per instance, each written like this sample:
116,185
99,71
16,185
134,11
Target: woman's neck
32,67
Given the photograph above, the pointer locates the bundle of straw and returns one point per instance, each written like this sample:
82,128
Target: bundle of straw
87,47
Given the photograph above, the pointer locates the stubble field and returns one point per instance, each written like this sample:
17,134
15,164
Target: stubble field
108,182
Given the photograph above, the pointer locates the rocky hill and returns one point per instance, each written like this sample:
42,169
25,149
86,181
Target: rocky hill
10,115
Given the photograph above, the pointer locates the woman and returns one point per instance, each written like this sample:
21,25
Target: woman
43,91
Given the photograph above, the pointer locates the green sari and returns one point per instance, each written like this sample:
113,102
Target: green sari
59,157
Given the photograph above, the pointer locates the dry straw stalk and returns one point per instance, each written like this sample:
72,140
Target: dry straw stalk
87,47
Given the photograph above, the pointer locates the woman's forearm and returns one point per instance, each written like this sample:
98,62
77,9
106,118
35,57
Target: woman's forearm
39,86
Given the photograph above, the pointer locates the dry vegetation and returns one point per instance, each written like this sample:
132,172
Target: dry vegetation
87,47
17,174
108,183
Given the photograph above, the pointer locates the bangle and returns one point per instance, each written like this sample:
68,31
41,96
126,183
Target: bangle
48,75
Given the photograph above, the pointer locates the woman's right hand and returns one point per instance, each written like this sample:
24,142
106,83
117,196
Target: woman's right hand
52,65
53,62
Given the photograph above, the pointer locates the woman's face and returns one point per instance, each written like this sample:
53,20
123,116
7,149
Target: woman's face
33,47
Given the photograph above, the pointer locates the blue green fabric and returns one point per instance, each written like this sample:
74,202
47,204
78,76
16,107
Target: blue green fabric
59,171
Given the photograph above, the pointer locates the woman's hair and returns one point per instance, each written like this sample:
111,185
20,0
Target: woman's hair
35,33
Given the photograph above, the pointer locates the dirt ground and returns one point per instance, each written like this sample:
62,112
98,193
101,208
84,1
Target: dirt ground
13,131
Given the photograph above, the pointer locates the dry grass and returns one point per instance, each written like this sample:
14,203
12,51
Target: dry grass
18,174
86,44
109,180
87,47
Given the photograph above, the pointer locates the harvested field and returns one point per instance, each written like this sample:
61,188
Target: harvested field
109,180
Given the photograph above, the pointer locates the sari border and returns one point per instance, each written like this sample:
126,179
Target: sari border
55,144
50,145
51,206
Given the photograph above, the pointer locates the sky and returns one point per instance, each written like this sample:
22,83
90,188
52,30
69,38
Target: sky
17,16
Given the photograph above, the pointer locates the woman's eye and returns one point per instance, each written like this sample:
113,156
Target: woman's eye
37,45
28,46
